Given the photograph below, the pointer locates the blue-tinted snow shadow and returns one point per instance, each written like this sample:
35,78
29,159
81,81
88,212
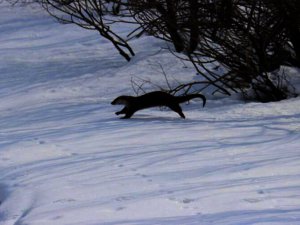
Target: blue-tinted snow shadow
50,120
242,217
266,129
73,118
88,120
3,195
20,75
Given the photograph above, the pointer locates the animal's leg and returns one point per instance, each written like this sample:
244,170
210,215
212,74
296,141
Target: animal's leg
123,111
128,114
177,108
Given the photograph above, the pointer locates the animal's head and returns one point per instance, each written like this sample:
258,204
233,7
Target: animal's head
121,100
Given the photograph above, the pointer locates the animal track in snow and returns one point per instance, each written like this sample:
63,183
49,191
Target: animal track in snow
5,159
123,198
252,200
144,176
187,200
141,175
120,208
65,200
184,201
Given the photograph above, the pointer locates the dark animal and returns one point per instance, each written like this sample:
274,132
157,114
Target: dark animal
153,99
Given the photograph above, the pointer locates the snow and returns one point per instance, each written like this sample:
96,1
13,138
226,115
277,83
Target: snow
65,158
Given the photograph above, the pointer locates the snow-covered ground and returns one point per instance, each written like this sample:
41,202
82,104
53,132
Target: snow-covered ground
65,158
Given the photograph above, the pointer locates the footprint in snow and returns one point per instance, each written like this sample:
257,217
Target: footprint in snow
5,159
187,200
66,200
252,200
141,175
144,176
123,198
42,142
184,201
57,217
166,192
260,192
120,208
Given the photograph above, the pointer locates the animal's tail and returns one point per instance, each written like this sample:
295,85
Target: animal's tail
186,98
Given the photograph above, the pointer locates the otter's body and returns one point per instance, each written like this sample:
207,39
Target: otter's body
153,99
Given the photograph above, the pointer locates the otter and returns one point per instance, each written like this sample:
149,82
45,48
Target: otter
153,99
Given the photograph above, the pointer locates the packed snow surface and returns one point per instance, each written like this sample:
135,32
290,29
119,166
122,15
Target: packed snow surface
66,158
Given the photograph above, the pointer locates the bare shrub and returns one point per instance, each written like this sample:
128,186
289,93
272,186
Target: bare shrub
91,15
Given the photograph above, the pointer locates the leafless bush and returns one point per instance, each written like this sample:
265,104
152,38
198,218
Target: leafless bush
247,39
91,15
170,85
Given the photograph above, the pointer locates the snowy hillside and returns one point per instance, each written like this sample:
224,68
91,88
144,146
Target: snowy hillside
66,158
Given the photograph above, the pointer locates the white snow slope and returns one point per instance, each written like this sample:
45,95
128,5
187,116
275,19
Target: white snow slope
65,158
